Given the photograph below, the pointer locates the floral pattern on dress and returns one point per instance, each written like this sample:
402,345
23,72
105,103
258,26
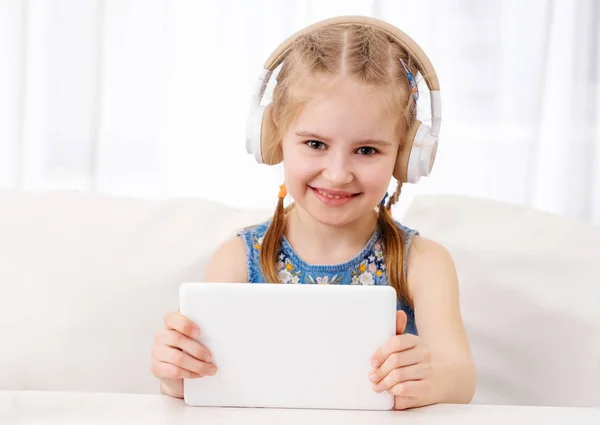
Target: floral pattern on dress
370,268
325,280
257,242
368,272
286,271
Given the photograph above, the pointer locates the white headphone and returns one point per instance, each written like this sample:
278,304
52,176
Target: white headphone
413,162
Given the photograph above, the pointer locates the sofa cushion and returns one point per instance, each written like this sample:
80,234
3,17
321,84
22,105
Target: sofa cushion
530,297
87,279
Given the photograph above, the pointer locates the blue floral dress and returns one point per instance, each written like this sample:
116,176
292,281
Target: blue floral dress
366,268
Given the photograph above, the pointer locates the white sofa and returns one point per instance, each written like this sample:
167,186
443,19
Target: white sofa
86,279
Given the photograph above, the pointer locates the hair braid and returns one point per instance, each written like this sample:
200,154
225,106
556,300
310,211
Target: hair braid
393,243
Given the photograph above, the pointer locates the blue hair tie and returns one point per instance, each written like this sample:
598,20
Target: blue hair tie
411,79
384,198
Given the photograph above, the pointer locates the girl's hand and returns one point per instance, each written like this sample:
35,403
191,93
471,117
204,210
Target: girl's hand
402,366
177,354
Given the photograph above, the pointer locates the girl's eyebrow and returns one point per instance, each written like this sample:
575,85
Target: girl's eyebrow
311,135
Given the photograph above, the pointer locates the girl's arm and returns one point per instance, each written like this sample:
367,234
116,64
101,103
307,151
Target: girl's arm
436,365
433,283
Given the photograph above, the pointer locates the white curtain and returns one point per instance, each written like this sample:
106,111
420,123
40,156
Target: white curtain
149,97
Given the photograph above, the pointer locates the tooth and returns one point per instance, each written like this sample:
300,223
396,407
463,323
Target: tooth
330,196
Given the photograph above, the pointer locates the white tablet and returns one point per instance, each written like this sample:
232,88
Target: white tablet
289,346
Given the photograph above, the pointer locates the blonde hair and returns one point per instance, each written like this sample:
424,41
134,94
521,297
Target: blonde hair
367,55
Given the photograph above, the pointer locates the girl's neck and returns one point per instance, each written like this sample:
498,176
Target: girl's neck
317,243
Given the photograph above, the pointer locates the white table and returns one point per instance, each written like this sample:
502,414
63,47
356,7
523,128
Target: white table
45,408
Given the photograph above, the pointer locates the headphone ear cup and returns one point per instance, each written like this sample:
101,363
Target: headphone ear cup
401,168
270,147
253,131
416,158
261,136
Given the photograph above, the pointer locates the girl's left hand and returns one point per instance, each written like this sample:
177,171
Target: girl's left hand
402,366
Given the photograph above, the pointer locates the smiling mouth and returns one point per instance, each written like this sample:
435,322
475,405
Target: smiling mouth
334,194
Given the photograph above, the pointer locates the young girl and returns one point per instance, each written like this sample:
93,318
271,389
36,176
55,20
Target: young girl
341,121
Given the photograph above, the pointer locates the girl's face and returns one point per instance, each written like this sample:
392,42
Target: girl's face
339,154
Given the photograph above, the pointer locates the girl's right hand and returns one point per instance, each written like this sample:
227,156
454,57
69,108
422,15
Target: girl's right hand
177,354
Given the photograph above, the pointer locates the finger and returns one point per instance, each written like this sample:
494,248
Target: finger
182,360
394,345
410,389
162,370
398,360
396,376
181,324
191,346
401,320
402,403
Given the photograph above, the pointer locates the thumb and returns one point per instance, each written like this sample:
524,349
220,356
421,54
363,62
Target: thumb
401,320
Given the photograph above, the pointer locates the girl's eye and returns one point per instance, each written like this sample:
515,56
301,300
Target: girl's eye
315,144
367,150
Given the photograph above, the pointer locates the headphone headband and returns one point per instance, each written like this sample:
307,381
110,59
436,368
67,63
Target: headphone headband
401,38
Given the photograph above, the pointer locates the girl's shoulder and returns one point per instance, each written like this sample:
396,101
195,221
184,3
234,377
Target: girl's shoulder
234,259
254,233
228,263
409,235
